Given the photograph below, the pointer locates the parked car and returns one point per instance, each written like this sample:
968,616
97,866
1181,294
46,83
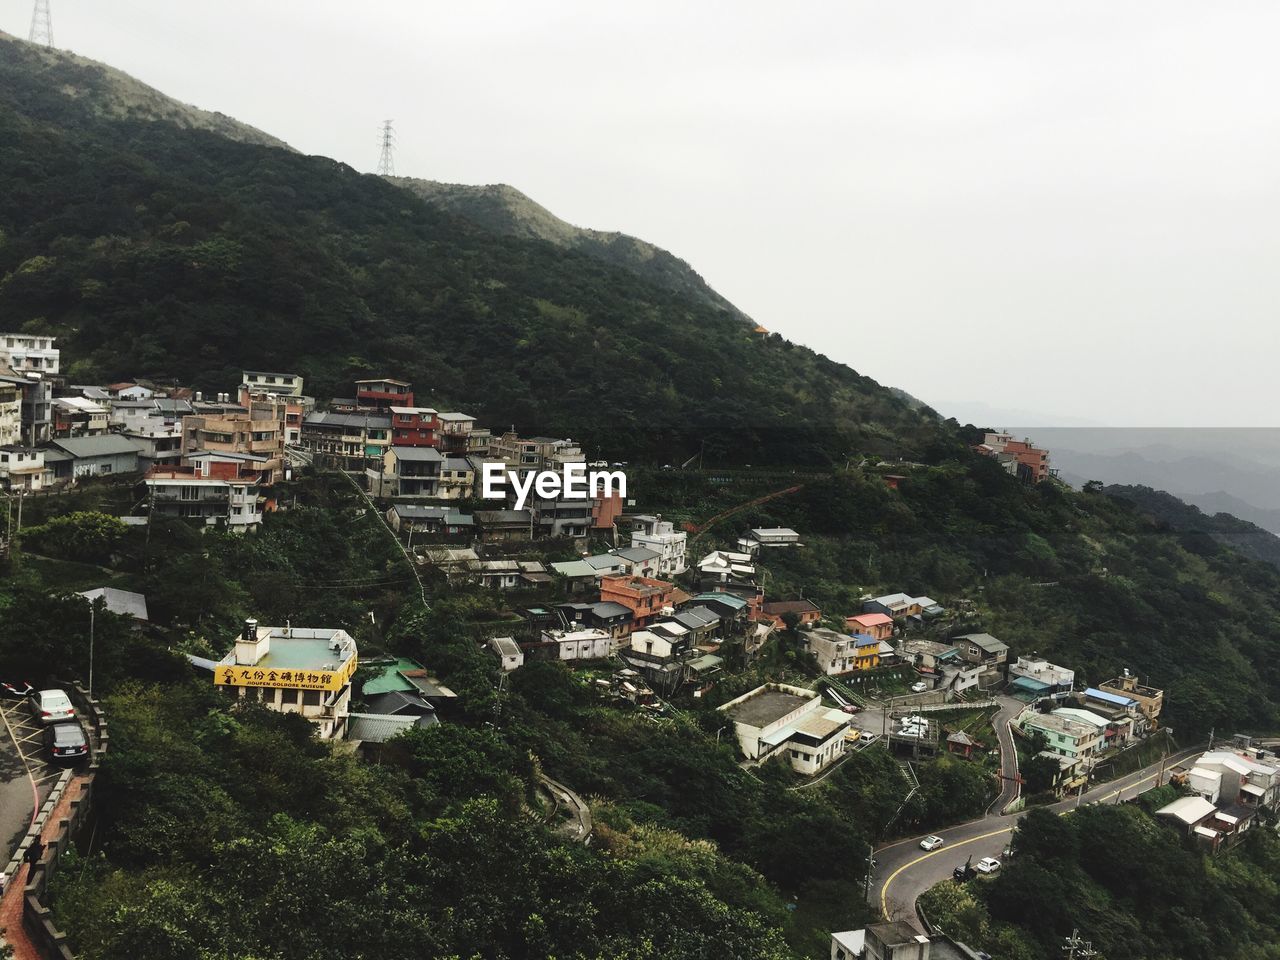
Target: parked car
931,843
987,865
65,741
964,872
50,706
919,687
851,708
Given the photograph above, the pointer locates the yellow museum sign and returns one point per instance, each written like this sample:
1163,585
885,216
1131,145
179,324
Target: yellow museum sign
235,675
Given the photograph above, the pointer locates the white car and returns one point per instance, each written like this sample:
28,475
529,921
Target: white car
931,843
919,687
51,706
987,865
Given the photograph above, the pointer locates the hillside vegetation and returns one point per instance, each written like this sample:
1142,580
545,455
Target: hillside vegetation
505,210
179,254
1222,528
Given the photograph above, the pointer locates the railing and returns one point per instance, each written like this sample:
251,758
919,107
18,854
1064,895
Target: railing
36,917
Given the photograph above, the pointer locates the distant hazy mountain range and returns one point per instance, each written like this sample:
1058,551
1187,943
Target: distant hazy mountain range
1234,471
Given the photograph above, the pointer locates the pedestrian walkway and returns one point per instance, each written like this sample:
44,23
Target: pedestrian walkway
13,933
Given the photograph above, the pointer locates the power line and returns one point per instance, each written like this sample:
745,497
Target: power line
387,161
41,24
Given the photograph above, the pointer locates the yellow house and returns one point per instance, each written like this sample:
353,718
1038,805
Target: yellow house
866,652
293,670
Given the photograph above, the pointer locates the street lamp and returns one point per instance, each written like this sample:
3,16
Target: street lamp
92,611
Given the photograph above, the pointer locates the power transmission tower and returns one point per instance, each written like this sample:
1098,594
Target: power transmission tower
41,24
387,162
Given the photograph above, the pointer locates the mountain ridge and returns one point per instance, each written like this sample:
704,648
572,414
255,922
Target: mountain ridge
170,251
503,209
119,95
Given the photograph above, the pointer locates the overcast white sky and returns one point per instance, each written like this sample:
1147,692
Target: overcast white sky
1067,212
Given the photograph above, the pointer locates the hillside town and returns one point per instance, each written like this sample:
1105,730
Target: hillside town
648,613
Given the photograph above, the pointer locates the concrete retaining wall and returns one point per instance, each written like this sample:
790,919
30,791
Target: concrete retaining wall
36,917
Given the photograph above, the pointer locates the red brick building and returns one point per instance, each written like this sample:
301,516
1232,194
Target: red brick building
414,427
643,596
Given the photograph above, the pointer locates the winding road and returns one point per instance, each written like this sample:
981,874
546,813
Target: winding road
903,871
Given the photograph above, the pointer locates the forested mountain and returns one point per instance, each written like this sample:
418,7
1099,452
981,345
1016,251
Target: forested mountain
504,210
1223,528
162,245
179,254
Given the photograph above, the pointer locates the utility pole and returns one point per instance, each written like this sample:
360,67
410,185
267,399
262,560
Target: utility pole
387,160
92,611
871,863
41,25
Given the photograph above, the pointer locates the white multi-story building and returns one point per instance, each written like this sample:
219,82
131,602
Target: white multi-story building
11,410
26,351
212,498
34,357
293,670
778,717
22,468
665,540
284,384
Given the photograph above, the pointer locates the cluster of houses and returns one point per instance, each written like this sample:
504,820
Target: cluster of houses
1019,458
666,635
1225,787
215,459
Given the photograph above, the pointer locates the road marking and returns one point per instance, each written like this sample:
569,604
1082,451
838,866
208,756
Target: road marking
1123,784
884,891
35,791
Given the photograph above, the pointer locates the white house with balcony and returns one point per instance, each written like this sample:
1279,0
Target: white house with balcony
665,540
781,720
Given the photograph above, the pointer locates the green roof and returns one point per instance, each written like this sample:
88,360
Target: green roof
391,678
736,602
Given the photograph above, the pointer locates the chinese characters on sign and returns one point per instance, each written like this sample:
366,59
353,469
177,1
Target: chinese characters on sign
225,675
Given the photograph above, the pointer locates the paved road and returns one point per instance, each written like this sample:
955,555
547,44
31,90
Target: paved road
904,871
1009,786
25,777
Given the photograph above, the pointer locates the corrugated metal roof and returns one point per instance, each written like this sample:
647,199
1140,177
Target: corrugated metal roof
379,728
1105,697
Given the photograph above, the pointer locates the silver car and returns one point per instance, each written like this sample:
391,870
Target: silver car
51,706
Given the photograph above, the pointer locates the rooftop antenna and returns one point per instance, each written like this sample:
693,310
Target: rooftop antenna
387,161
41,25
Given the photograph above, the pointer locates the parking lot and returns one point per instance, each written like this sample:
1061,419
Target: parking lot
25,776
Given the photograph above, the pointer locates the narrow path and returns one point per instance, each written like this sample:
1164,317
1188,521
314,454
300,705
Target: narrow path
581,827
1010,788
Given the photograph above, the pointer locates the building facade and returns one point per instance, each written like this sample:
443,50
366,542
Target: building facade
293,670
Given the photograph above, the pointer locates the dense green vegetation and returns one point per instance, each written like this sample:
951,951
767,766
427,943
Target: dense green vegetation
1129,884
506,211
1194,524
181,255
1083,578
177,254
235,834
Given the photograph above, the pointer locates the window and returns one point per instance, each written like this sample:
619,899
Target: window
311,698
